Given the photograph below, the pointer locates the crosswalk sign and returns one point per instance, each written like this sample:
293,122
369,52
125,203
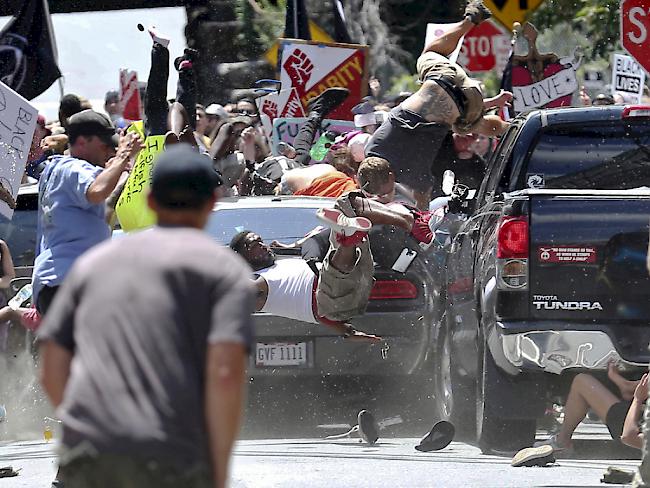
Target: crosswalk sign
510,11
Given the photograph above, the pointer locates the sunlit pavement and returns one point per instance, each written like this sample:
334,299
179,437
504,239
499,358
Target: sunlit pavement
392,462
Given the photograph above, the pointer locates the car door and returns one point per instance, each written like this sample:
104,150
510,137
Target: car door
473,236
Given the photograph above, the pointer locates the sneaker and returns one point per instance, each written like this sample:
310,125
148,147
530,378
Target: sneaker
340,224
158,37
327,101
438,438
477,12
186,61
368,428
533,456
553,442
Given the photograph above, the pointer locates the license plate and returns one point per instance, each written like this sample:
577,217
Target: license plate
281,354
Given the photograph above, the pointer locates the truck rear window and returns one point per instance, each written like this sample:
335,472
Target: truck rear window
591,157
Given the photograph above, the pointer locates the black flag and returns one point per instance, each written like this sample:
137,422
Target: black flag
296,24
341,33
27,52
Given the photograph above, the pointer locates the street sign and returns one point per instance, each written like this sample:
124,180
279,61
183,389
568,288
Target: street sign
485,48
635,24
510,11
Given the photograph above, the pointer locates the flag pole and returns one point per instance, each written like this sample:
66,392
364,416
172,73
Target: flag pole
55,49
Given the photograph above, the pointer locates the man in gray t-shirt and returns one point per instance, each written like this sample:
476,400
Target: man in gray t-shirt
144,348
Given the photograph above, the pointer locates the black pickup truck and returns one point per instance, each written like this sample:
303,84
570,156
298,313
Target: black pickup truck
546,276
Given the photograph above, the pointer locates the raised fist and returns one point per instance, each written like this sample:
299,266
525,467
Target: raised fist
270,108
299,68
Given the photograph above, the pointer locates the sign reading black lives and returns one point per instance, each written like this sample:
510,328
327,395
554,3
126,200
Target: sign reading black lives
628,78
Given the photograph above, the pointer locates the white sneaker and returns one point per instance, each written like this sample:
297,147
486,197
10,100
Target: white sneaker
553,442
533,456
158,37
340,224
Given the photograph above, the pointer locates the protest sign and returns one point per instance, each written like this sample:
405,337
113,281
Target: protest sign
130,102
309,68
542,80
628,78
132,209
17,125
286,129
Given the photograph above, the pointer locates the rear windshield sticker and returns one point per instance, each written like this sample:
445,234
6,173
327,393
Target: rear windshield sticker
567,254
535,181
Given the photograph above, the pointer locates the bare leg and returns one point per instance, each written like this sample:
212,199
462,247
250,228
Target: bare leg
446,44
586,392
344,258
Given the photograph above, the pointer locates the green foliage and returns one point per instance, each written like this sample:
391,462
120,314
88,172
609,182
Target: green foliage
598,20
262,24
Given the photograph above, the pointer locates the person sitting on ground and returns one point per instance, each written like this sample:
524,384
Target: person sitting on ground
448,99
620,413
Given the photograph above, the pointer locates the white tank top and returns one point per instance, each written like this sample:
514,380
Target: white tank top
291,284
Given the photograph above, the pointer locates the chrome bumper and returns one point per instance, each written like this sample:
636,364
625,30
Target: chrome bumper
555,351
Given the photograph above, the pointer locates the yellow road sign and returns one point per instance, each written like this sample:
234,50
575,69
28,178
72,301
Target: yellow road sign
510,11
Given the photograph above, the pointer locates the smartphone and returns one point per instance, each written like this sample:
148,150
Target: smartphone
404,260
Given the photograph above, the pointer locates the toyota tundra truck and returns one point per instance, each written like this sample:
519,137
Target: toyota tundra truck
546,276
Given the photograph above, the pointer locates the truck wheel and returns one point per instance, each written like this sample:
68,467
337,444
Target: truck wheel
454,398
493,432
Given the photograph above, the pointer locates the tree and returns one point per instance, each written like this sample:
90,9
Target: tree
598,20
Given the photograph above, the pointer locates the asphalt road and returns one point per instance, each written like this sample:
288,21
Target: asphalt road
392,462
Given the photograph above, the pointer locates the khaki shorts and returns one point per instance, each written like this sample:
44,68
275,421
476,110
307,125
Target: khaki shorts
434,65
341,296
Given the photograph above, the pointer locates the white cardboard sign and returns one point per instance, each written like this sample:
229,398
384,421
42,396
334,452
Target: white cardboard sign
628,78
17,125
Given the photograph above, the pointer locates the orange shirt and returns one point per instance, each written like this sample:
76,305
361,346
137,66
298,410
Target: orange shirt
330,185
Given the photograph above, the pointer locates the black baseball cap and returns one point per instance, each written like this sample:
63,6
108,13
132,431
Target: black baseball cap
183,178
91,123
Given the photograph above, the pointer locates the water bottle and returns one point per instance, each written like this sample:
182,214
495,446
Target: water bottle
24,294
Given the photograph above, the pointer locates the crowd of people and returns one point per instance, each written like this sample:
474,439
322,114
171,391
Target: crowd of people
178,398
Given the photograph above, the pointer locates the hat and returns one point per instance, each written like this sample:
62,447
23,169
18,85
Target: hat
217,110
183,178
91,123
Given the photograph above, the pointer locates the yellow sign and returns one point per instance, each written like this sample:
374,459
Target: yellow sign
132,209
317,34
510,11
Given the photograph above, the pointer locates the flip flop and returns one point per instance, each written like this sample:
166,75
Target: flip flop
438,438
368,428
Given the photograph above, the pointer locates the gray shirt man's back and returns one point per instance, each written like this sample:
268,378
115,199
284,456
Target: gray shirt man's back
138,315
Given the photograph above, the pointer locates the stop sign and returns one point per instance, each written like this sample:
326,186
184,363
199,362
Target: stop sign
485,47
635,30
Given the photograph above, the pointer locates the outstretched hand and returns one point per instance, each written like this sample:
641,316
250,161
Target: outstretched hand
504,99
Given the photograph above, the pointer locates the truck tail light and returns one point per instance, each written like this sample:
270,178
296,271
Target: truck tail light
393,290
631,111
512,253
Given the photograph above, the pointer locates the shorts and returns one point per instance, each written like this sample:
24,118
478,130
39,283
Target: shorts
433,65
341,296
615,418
410,144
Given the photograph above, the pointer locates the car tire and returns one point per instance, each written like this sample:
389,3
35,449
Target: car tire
454,397
493,432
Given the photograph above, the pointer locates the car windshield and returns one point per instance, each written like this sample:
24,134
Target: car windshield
592,157
284,224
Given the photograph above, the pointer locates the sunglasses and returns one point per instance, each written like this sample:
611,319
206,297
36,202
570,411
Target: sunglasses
250,113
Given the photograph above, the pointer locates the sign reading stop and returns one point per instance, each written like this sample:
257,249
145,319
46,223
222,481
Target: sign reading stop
485,48
635,30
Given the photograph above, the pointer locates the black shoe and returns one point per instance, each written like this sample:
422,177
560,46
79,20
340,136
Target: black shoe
438,438
186,60
57,484
534,456
327,101
477,11
368,428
